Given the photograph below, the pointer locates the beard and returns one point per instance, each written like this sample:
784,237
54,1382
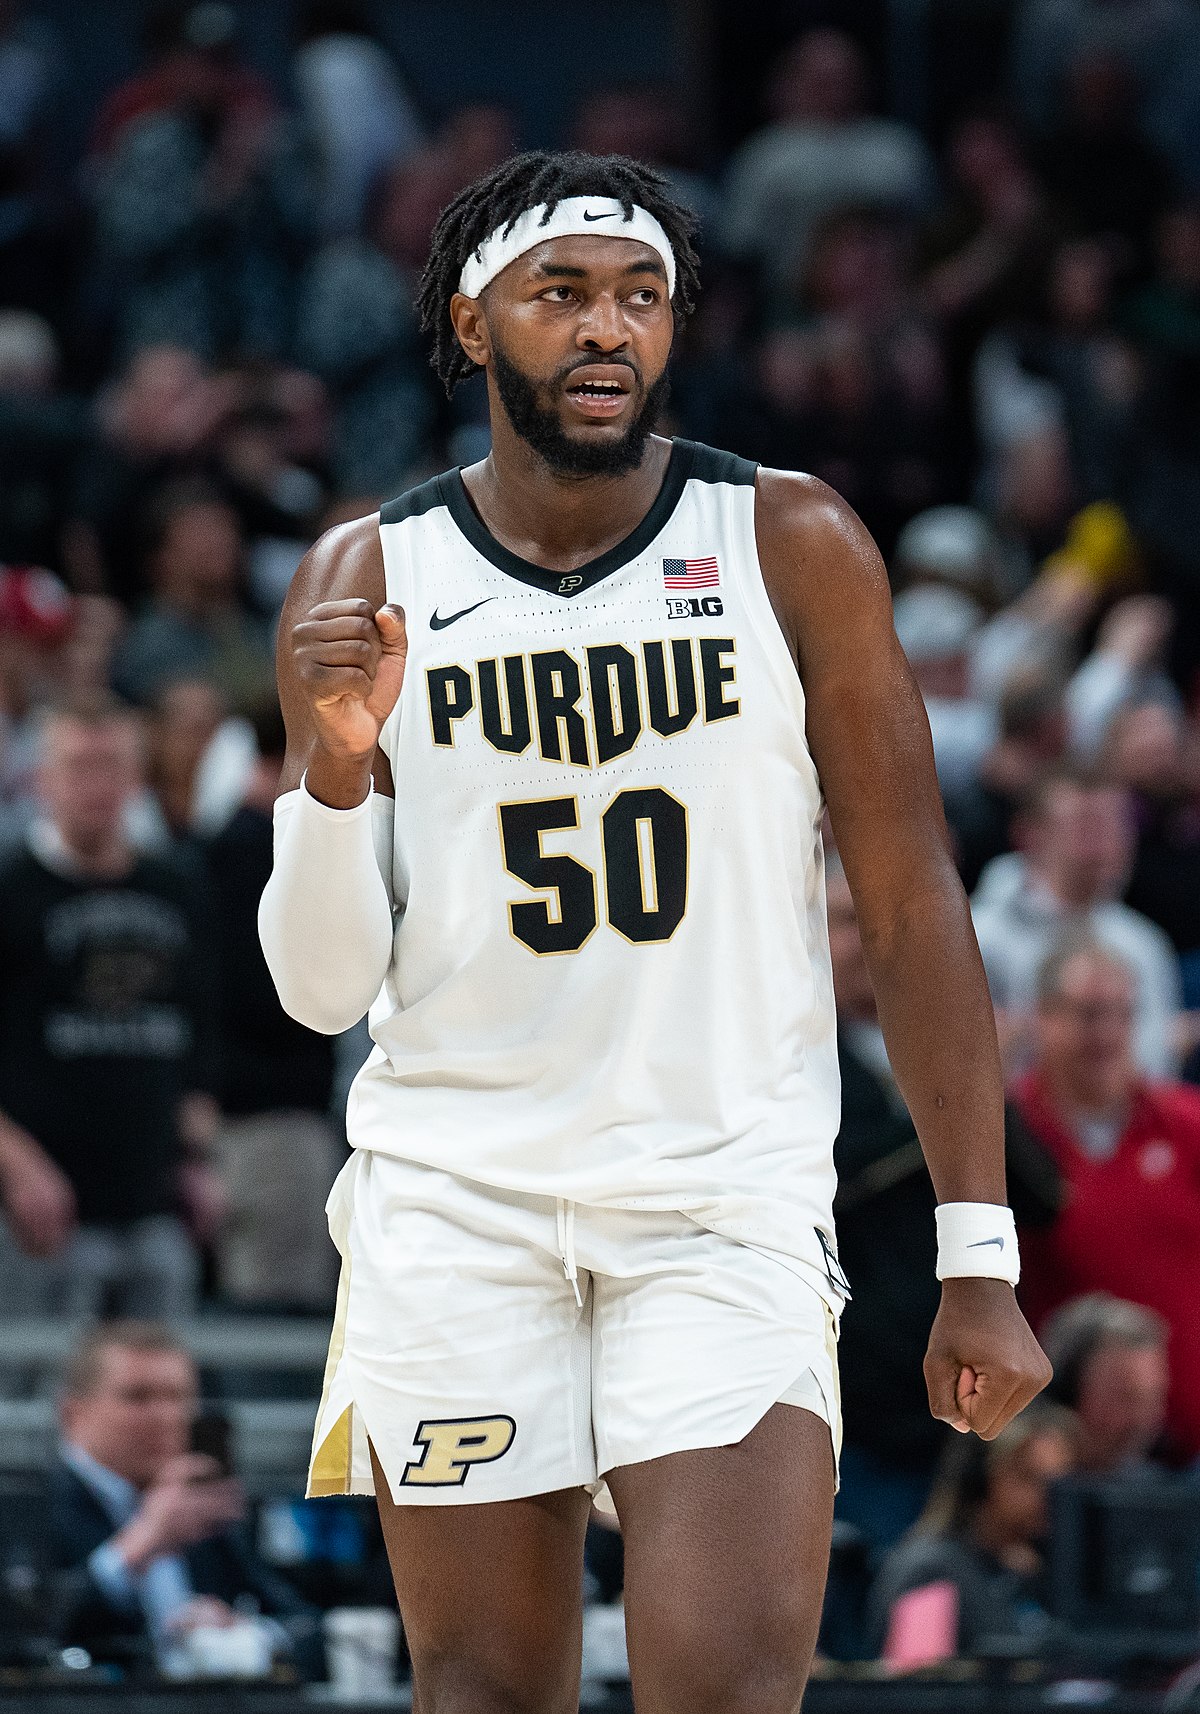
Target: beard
539,426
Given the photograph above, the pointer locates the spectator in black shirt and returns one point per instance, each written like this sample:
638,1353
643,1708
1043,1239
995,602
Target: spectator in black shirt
105,1004
969,1576
278,1149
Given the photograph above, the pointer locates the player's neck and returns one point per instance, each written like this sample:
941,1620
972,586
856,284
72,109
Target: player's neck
560,522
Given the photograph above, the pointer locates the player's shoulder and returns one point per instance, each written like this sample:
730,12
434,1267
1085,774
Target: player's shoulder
793,503
711,465
417,501
813,547
787,497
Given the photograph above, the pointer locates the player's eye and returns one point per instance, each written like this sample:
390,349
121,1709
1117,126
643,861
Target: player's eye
645,295
553,291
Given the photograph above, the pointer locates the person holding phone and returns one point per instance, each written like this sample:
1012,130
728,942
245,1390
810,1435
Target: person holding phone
143,1529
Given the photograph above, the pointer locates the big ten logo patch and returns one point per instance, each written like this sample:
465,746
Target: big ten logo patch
694,607
450,1448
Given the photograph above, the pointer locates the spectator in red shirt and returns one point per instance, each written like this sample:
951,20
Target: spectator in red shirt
1129,1152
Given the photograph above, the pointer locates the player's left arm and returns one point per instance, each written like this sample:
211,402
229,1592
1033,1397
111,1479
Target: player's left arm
867,730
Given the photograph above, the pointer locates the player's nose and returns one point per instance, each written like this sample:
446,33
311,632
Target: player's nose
602,326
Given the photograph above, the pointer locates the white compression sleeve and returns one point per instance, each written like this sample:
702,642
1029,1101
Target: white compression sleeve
325,919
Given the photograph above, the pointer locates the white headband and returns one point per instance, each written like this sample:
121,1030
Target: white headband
577,216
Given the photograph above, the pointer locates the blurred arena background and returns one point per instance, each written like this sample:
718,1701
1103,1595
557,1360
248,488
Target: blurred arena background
951,265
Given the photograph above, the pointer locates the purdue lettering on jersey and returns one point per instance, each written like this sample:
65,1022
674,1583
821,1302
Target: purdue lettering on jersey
610,979
585,712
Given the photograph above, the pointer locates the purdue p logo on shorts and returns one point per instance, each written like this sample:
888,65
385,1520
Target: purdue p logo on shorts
451,1447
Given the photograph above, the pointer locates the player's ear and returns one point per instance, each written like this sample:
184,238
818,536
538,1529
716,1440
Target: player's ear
470,327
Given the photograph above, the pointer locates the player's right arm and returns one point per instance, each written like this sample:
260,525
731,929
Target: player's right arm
325,920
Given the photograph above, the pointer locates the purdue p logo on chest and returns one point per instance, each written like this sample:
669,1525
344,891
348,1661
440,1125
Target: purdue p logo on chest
451,1447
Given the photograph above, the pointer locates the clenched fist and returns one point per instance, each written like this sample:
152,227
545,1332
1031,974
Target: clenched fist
350,661
983,1364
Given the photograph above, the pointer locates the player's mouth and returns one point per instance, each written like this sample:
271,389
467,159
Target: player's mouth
600,390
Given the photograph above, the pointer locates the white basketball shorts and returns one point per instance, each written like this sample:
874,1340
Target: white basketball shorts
491,1345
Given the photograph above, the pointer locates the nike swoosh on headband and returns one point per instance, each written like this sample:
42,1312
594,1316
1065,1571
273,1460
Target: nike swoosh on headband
436,623
572,215
982,1243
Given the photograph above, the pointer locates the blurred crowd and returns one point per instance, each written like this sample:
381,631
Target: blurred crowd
988,340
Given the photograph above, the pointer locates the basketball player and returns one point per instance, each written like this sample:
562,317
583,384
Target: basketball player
562,726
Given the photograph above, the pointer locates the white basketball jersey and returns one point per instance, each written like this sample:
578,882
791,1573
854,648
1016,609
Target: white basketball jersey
611,977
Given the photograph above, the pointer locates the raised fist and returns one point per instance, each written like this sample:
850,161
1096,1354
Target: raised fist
350,661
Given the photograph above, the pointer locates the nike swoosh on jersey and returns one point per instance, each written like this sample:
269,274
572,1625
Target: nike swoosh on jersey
982,1243
437,623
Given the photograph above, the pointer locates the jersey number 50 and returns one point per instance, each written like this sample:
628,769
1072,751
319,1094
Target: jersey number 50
644,833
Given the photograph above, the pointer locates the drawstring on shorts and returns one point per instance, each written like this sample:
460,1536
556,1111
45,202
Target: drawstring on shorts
566,1245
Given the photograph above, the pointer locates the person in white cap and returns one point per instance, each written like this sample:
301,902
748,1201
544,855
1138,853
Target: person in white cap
561,727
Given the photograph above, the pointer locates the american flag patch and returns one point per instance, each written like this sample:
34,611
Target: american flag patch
688,574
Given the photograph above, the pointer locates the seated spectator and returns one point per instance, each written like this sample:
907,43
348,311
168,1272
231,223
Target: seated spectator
194,625
1110,1368
142,1544
156,420
105,1015
1078,845
278,1150
822,151
198,758
1129,1151
968,1576
887,1246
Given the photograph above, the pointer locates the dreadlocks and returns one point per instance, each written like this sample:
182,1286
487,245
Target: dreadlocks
502,196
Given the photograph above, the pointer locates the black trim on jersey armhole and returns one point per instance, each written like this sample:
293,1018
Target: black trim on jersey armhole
567,583
710,464
414,503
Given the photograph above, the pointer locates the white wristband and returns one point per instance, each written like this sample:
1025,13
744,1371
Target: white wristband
977,1240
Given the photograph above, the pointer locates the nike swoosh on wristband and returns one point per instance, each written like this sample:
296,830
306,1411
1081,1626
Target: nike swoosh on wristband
982,1243
436,623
